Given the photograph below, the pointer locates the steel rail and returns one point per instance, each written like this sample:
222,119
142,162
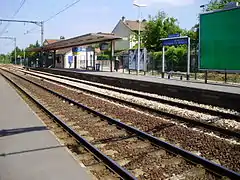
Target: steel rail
123,173
164,101
211,166
205,125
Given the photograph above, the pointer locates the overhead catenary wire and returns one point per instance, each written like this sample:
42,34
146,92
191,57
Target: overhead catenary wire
66,7
51,17
16,12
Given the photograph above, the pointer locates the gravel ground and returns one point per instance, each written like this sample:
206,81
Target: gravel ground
225,123
210,147
141,158
148,94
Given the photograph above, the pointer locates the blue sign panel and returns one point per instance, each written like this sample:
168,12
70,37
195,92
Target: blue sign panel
171,42
174,35
70,59
77,50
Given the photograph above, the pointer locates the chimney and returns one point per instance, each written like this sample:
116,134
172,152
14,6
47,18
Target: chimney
123,18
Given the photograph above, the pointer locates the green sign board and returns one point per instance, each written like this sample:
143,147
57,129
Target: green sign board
220,40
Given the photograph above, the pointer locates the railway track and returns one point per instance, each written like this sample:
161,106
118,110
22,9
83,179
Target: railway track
124,137
199,143
194,107
209,123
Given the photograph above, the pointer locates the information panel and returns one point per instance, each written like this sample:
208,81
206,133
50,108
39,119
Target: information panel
133,55
220,40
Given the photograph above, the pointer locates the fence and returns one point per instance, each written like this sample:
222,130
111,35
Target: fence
154,63
177,69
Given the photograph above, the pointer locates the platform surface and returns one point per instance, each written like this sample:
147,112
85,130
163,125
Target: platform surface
28,150
157,79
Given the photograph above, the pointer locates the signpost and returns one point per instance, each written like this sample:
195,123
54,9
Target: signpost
176,39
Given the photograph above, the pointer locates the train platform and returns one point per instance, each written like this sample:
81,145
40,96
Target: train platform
28,150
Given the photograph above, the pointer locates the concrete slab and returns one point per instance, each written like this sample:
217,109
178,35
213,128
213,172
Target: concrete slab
28,150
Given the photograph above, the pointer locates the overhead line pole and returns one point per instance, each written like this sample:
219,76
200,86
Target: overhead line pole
15,46
39,23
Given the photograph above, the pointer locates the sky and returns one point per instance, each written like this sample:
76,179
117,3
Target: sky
87,16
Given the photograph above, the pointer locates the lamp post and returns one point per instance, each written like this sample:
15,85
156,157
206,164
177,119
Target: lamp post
139,31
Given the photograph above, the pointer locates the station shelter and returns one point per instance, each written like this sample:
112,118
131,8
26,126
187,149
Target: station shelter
75,52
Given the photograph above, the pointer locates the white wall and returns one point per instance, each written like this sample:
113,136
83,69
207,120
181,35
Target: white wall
124,32
105,65
81,60
132,42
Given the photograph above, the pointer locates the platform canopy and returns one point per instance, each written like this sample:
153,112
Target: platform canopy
87,39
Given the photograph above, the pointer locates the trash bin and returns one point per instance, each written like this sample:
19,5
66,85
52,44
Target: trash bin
98,67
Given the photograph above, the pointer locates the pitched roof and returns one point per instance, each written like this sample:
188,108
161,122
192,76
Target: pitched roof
133,25
63,51
83,40
50,41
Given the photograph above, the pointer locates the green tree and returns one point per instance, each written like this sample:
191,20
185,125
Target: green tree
31,54
19,52
5,59
218,4
159,26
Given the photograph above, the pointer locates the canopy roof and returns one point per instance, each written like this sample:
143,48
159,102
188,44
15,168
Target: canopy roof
83,40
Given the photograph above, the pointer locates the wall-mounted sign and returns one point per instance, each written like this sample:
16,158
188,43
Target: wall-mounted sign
90,48
70,59
78,50
104,46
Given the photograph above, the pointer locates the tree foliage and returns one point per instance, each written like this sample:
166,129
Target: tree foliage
159,26
218,4
4,59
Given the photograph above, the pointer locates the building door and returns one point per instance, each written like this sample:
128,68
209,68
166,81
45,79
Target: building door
75,62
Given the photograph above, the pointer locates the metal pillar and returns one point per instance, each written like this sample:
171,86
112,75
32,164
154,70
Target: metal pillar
225,77
189,58
163,61
206,76
139,39
15,51
112,55
54,58
42,32
24,57
94,60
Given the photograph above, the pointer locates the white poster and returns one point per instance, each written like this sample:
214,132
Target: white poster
133,56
